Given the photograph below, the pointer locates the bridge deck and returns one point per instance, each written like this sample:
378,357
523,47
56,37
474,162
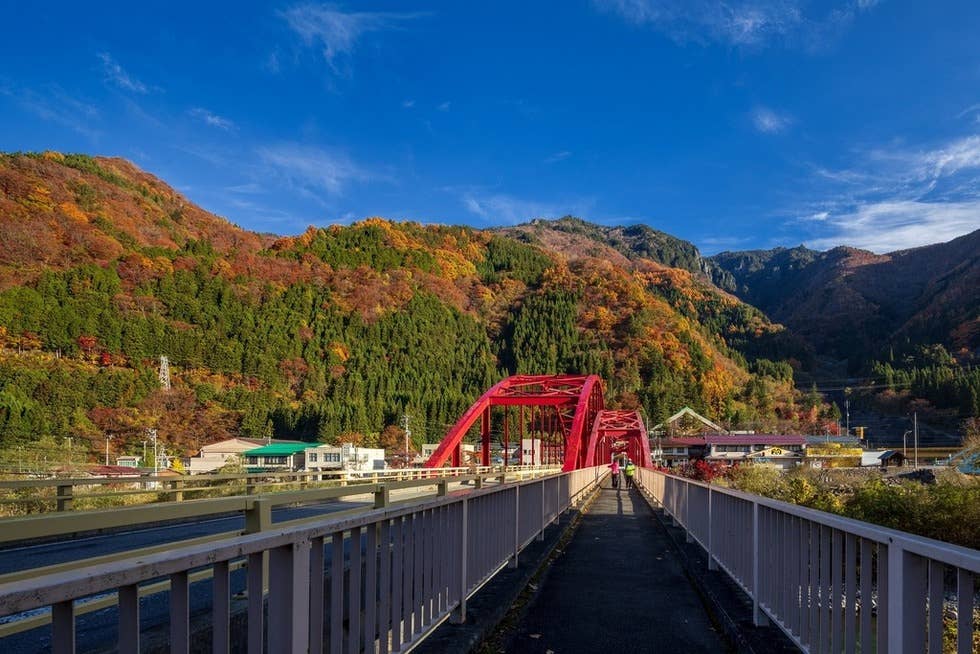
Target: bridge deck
618,587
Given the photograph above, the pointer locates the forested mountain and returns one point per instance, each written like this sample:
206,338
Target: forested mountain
576,238
339,331
857,305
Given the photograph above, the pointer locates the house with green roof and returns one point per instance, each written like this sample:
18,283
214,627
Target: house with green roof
277,456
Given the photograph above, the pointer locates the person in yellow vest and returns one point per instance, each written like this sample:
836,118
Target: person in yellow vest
628,472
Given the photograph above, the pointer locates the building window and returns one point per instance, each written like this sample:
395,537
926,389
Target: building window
275,460
312,457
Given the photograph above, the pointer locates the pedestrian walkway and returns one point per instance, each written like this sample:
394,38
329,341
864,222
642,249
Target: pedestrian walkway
618,587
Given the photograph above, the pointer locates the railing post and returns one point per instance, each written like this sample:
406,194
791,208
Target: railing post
478,482
517,525
543,512
259,516
63,627
712,563
64,497
382,496
176,492
442,488
758,616
289,594
688,527
906,600
459,615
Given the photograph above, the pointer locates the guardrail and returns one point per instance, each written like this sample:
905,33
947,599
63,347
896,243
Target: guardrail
61,494
257,508
830,583
407,569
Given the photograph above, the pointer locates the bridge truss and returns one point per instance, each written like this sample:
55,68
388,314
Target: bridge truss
564,413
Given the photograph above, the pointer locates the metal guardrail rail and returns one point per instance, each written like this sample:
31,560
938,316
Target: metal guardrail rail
832,584
419,564
31,492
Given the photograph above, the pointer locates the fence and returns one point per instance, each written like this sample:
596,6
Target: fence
832,584
376,582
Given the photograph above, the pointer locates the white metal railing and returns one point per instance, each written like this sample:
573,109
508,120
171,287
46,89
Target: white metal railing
394,574
816,575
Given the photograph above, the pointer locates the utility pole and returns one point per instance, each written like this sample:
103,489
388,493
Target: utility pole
408,434
107,439
156,459
847,417
915,430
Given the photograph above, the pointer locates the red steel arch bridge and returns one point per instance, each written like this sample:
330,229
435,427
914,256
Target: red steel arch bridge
566,413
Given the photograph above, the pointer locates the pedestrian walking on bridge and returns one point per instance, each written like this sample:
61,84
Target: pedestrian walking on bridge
629,471
614,467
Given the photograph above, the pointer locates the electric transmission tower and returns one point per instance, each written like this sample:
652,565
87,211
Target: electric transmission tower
164,372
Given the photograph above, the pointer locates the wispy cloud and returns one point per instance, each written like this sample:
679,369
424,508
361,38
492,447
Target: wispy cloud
54,105
738,23
890,226
314,169
408,104
114,73
769,121
897,198
503,209
558,156
972,112
213,119
444,106
336,33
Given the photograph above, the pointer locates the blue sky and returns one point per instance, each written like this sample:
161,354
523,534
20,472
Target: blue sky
737,125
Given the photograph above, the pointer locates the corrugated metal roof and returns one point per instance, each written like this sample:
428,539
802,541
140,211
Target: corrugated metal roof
735,439
279,449
754,439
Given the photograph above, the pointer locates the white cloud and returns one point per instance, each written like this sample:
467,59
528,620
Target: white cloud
408,104
311,168
114,73
768,121
558,156
444,106
335,32
213,120
503,209
889,226
893,199
738,23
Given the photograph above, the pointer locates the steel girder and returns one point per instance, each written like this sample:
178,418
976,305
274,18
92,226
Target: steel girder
580,395
615,432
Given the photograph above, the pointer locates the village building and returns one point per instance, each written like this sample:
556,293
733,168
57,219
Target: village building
687,436
282,456
217,455
346,456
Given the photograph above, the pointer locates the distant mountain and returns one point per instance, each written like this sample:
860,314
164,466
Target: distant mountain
337,332
855,304
576,238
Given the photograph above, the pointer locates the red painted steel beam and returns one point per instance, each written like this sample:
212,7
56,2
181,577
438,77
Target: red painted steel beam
590,402
581,392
